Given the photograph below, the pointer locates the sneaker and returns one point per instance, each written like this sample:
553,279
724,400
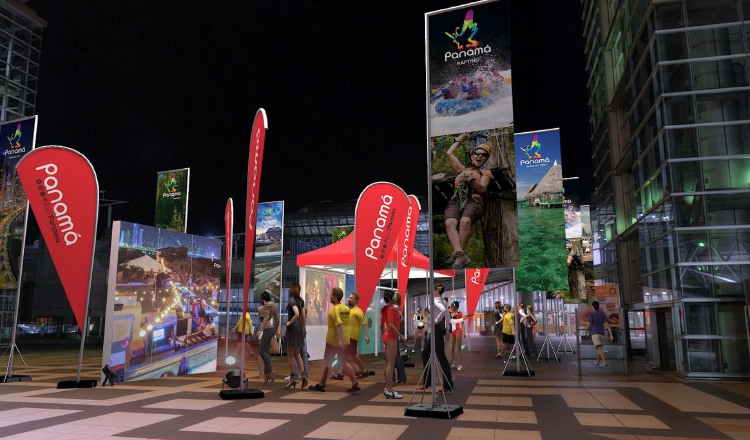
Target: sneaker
460,367
462,260
451,259
392,395
602,365
286,379
317,387
596,364
336,376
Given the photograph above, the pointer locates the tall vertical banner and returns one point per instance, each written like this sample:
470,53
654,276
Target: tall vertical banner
379,216
269,239
172,199
470,119
541,219
254,168
469,68
475,280
405,247
18,139
63,193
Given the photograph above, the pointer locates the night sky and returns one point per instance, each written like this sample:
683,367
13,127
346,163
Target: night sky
144,86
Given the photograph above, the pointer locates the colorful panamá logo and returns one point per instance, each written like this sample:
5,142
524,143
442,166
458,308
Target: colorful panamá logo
532,152
471,27
463,38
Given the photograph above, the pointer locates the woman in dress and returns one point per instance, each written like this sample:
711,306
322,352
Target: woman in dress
390,321
269,327
419,328
295,329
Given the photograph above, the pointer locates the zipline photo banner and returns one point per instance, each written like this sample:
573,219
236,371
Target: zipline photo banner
172,189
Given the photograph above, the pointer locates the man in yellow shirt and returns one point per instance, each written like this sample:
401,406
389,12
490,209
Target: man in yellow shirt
337,342
509,331
357,321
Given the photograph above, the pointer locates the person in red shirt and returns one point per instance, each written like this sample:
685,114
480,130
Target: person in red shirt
390,321
457,333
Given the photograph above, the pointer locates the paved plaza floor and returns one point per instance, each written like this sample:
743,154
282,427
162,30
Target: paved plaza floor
556,403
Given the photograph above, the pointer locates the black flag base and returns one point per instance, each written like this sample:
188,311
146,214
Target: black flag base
249,393
17,378
435,412
66,384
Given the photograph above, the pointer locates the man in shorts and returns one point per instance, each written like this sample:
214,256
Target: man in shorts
337,342
466,207
597,323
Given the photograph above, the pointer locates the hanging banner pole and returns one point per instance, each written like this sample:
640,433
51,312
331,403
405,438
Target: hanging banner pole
228,241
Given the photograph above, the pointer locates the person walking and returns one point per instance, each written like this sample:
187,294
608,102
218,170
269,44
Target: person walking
244,328
597,323
390,320
442,323
357,322
337,342
295,325
269,328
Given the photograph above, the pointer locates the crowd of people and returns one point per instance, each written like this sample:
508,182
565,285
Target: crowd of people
483,83
345,321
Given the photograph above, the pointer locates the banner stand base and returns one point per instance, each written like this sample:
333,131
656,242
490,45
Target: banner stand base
249,393
66,384
433,412
519,373
15,378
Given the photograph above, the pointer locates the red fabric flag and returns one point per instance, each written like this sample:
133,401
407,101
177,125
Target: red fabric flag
405,247
475,279
381,212
254,167
63,193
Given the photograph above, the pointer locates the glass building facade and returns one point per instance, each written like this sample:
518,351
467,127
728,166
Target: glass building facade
669,100
20,49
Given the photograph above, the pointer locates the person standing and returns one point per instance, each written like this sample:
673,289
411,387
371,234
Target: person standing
457,333
390,321
498,327
418,328
295,325
530,328
337,342
509,332
269,327
521,328
441,324
244,327
597,323
357,322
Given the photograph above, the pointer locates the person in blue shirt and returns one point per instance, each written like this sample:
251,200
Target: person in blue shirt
597,323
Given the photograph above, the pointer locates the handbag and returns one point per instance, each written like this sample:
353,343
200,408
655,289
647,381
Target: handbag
274,345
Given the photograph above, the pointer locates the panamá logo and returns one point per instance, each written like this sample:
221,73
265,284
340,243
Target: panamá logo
55,208
464,40
15,143
171,187
532,152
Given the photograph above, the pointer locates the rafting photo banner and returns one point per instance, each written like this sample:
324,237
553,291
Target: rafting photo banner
541,219
172,199
19,135
269,236
469,68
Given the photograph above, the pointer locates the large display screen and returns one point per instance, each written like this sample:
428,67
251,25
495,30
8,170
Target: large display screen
162,302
